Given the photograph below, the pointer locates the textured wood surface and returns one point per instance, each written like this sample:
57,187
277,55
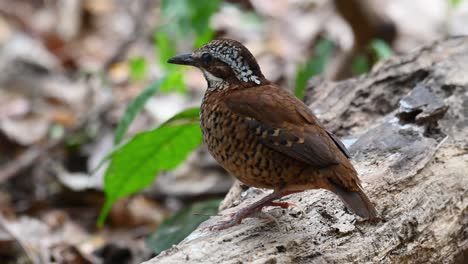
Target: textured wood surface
409,121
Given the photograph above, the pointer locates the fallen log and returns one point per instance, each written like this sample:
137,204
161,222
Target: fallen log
409,121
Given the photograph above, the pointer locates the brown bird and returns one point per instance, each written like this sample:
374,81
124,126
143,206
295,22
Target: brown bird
265,136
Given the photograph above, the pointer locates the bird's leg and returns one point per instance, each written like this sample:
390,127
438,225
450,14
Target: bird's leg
253,210
283,205
286,205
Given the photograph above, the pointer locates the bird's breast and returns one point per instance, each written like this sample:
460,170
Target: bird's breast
240,152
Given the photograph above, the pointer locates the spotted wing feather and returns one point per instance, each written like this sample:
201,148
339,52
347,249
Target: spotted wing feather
284,123
339,144
309,148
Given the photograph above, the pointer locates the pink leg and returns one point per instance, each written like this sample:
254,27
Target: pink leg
283,205
253,209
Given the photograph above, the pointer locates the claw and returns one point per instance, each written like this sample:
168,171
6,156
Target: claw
255,209
286,205
225,224
237,219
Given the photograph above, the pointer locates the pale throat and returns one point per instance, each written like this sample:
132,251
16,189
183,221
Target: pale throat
219,83
213,81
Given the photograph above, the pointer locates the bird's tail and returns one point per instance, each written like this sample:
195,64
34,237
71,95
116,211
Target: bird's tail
356,201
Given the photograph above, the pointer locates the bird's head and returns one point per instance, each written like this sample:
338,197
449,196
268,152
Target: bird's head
224,62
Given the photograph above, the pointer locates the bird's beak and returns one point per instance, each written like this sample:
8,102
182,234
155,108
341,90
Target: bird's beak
183,59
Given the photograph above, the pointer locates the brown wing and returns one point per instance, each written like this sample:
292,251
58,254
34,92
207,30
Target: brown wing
284,124
339,144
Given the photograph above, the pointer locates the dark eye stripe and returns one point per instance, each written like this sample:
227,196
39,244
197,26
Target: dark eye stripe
206,57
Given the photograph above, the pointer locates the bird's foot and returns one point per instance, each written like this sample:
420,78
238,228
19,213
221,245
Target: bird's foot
283,205
236,218
286,205
254,210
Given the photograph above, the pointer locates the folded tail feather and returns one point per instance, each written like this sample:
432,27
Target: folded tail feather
355,201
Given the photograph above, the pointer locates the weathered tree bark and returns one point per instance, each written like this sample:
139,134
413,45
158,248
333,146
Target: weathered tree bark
411,115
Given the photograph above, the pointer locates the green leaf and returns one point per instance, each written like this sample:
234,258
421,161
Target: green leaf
175,10
138,68
174,83
314,66
180,225
455,3
188,20
360,65
381,49
187,115
164,48
202,10
204,37
56,131
135,165
134,108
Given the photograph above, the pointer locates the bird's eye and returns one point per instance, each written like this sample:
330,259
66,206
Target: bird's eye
206,57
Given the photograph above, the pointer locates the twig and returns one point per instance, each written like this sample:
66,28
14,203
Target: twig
30,253
23,161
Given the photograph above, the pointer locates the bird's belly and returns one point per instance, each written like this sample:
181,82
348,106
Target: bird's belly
242,154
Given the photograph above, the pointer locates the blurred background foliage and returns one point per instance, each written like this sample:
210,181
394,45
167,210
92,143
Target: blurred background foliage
95,124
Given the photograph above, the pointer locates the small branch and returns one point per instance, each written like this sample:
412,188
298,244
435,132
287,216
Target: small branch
35,258
23,161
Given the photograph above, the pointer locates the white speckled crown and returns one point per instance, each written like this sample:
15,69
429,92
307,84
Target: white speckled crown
230,52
